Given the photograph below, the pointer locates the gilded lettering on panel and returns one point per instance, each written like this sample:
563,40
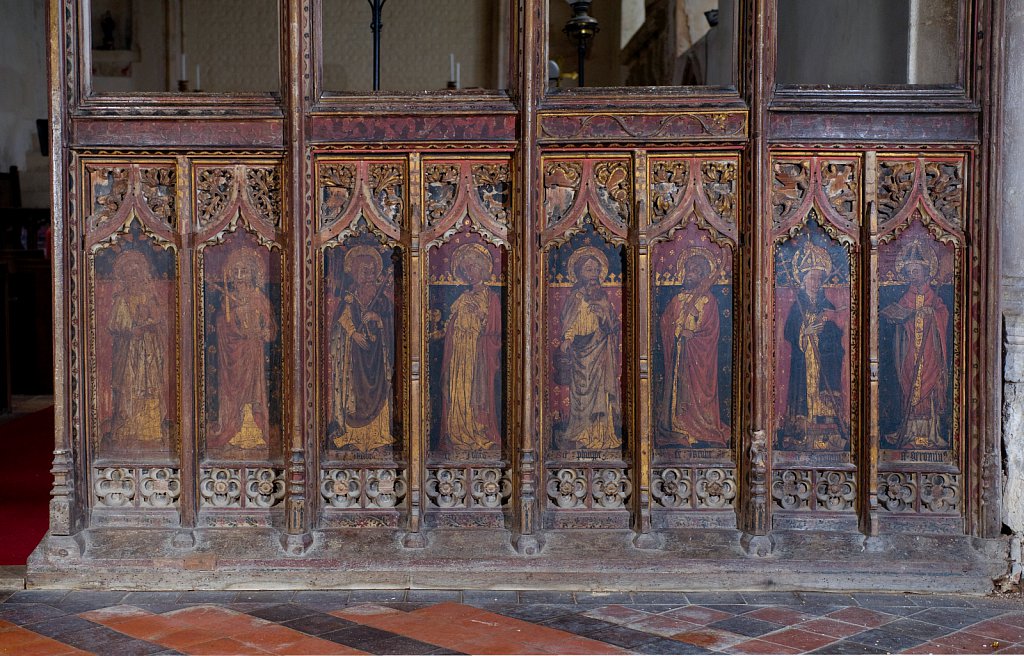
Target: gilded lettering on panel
135,280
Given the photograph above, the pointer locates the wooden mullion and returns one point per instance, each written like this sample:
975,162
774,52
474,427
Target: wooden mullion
415,295
639,310
868,449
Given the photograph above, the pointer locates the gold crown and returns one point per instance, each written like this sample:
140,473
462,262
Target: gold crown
811,257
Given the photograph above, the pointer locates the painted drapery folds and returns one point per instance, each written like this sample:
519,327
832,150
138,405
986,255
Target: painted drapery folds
242,343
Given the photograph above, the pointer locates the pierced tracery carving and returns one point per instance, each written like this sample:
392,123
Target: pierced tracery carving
160,487
895,182
221,488
264,487
491,488
668,185
442,186
446,487
791,489
839,182
492,187
213,193
337,188
158,187
613,188
115,487
561,186
567,488
716,488
897,491
790,181
940,493
611,488
109,189
342,488
719,179
945,184
263,187
671,487
836,490
385,488
387,183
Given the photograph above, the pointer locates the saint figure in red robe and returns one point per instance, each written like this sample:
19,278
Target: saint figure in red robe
921,319
690,410
245,326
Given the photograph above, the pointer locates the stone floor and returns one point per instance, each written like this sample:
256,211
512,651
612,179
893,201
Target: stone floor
505,622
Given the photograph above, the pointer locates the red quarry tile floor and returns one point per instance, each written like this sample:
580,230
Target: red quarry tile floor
57,622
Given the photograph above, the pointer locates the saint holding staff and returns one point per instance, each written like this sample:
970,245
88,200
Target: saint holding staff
361,355
690,410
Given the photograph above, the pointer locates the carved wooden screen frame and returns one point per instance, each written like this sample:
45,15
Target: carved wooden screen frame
525,130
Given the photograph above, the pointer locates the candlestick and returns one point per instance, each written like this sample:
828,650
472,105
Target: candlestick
458,75
197,86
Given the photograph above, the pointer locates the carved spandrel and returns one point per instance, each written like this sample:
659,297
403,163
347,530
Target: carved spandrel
561,186
895,182
790,183
108,188
213,193
840,185
614,189
493,188
719,180
158,190
669,180
945,184
337,189
442,187
387,184
263,189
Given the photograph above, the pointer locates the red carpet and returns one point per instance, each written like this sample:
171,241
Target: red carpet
26,453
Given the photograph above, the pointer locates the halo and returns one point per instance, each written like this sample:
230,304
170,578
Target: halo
122,262
696,251
361,251
467,251
918,250
587,251
251,257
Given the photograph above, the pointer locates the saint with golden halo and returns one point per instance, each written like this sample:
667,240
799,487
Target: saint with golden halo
689,330
471,364
587,357
361,356
246,325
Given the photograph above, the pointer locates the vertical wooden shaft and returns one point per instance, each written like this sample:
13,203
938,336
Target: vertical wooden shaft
640,293
416,293
868,448
188,501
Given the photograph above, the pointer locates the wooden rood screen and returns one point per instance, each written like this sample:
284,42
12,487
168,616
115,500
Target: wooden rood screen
755,304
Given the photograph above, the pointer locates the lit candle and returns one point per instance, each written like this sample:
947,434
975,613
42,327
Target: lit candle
458,75
184,68
451,66
198,85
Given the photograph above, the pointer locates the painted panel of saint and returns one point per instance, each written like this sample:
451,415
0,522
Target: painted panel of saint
812,343
363,413
915,343
136,344
692,343
466,349
242,346
584,344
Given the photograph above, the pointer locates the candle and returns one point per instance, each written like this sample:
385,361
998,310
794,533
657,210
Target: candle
184,68
197,86
451,66
458,75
